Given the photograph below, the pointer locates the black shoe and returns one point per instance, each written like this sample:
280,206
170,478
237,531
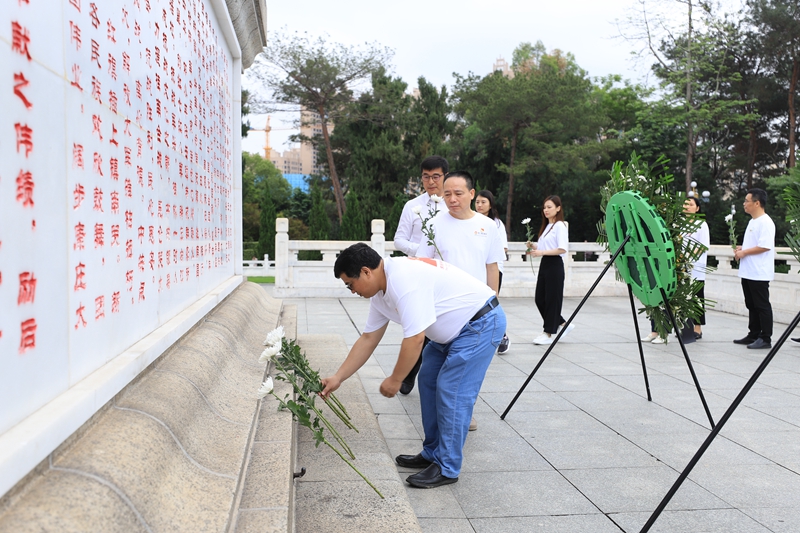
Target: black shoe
505,344
412,461
430,478
744,340
698,336
759,344
795,340
408,382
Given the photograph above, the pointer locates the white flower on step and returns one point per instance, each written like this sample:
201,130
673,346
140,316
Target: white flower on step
269,352
274,336
417,209
266,388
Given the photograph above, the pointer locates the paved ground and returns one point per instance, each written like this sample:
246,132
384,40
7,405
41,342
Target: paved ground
583,451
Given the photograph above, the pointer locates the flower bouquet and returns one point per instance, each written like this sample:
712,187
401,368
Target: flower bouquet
292,366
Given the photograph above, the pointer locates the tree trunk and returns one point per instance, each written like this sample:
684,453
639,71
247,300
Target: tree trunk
690,135
751,157
511,183
337,187
792,118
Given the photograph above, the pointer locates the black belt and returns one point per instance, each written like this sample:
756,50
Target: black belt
491,304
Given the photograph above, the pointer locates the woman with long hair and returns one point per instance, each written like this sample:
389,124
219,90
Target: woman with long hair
552,247
702,236
485,205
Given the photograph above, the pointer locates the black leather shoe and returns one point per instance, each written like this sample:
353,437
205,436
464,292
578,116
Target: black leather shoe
759,344
744,340
430,478
412,461
698,336
795,340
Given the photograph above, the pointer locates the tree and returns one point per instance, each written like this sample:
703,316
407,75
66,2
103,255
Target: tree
258,175
267,229
318,76
245,112
319,225
354,224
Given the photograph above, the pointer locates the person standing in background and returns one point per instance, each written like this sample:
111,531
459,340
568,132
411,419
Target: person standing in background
484,204
552,246
702,236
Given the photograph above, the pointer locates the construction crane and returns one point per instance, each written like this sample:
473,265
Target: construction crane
266,129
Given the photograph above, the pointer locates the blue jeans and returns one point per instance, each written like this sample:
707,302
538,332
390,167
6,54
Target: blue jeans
449,382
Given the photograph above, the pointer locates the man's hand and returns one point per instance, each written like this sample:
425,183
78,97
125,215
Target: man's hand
330,384
390,386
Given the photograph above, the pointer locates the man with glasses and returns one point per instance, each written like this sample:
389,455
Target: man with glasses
756,258
408,236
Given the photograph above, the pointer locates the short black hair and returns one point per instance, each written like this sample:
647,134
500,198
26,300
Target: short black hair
760,196
696,203
461,174
433,162
354,258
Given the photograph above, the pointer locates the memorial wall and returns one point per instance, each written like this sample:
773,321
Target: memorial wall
118,187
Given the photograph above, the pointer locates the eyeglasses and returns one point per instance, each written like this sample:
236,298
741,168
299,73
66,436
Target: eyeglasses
349,286
431,177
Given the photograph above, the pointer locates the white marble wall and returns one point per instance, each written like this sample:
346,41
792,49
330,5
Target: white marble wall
118,181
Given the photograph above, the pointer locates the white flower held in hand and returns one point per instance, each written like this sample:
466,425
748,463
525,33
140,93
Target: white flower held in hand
417,209
436,198
269,352
728,218
526,221
274,336
266,388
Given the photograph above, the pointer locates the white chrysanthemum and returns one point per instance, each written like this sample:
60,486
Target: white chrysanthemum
417,209
728,218
733,209
269,352
526,221
436,198
641,177
266,388
274,336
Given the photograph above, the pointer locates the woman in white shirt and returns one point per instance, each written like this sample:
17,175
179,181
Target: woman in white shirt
703,236
552,246
484,204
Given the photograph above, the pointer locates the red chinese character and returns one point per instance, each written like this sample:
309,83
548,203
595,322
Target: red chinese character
129,248
80,233
129,220
114,164
152,261
160,259
128,160
99,235
113,132
19,83
96,123
115,302
151,235
141,291
111,30
96,53
98,199
112,101
141,234
129,280
76,4
80,273
115,202
128,189
25,188
24,138
75,34
98,163
137,30
81,321
93,15
126,62
99,307
115,235
126,90
76,77
27,339
20,40
96,89
141,262
77,155
79,195
27,288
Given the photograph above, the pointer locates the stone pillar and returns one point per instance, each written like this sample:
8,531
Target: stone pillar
378,239
282,277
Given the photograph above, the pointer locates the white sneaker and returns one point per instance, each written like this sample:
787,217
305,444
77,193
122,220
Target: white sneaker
566,332
544,338
650,338
659,340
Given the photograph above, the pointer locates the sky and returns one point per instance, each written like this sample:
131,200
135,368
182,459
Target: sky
435,38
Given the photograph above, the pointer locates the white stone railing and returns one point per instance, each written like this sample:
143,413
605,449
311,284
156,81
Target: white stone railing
258,267
301,279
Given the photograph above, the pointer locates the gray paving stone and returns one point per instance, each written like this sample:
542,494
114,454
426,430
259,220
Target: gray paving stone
446,525
705,521
573,523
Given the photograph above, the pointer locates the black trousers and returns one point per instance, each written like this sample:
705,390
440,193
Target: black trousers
550,292
756,298
702,294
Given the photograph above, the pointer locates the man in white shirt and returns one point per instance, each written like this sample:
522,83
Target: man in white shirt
464,323
756,258
409,235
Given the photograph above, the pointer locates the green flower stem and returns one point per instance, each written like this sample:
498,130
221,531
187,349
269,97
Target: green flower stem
310,403
341,416
353,467
339,405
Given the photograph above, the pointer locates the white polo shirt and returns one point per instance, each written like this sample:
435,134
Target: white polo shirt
426,295
759,267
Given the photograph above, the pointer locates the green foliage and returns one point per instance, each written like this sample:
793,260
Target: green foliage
791,197
354,225
259,176
245,112
266,238
653,184
393,219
